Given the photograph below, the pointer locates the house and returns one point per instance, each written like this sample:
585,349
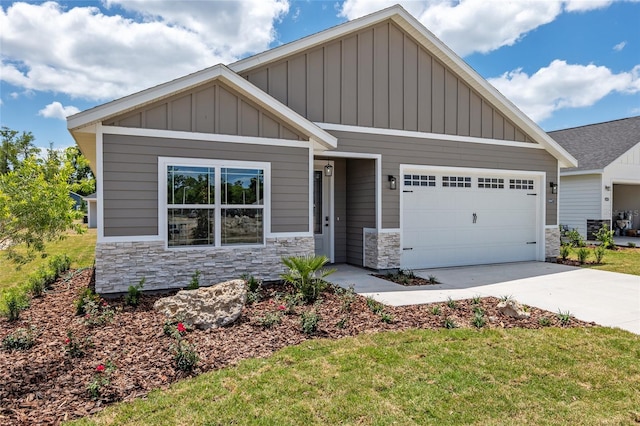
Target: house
77,200
371,143
92,210
605,188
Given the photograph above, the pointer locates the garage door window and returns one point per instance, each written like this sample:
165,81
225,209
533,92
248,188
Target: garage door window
490,183
521,184
456,182
419,180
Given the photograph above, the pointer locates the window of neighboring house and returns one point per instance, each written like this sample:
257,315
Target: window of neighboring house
215,205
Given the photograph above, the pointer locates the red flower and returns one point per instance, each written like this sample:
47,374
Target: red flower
181,327
100,368
87,316
104,303
281,308
67,341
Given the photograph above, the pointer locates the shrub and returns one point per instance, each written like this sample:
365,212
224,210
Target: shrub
74,347
565,251
386,317
347,296
306,275
59,264
433,279
342,323
435,310
134,293
184,355
36,285
574,238
84,295
451,303
478,319
605,236
97,312
309,322
449,323
544,321
253,288
564,317
101,378
176,326
599,252
583,254
194,284
375,306
475,300
270,319
631,245
21,339
14,302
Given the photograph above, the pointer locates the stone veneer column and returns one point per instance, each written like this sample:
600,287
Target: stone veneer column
552,244
119,265
381,249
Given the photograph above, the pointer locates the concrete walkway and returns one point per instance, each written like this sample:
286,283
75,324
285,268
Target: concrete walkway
607,298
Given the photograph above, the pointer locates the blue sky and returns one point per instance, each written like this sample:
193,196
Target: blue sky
565,63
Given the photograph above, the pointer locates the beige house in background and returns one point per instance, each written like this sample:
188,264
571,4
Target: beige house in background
371,143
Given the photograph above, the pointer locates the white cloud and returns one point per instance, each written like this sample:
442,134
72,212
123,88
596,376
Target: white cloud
469,26
85,53
561,85
618,47
56,110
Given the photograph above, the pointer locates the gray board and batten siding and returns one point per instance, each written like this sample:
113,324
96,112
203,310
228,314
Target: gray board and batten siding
396,150
381,77
210,108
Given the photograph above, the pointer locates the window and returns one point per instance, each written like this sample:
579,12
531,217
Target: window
215,205
521,184
456,182
492,183
419,180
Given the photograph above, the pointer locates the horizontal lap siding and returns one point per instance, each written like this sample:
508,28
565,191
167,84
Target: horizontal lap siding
402,150
580,200
131,180
381,77
360,206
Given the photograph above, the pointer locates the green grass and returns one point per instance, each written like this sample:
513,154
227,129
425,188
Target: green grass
446,377
79,247
624,260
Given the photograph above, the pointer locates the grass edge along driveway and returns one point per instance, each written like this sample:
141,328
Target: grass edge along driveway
514,376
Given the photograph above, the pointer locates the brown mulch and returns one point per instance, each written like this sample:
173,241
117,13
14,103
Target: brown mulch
44,385
407,281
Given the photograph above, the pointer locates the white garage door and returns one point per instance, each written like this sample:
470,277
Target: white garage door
456,218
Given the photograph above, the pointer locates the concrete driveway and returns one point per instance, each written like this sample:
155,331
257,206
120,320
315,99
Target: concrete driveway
606,298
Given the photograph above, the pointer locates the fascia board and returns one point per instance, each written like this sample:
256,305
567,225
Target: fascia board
581,172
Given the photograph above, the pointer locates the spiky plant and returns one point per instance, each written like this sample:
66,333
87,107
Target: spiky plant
306,275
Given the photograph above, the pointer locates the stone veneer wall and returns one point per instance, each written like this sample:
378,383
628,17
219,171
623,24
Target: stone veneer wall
381,249
119,265
552,243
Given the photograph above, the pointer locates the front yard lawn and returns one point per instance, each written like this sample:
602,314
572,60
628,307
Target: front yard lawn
624,260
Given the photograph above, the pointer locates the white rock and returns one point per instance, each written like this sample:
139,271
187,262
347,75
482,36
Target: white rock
512,308
206,307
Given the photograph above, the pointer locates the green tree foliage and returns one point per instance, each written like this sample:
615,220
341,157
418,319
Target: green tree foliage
15,148
81,179
35,206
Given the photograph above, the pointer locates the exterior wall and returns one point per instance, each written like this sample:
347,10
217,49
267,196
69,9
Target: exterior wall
381,249
210,108
398,150
579,201
361,206
625,198
130,186
119,265
381,77
340,210
622,176
552,243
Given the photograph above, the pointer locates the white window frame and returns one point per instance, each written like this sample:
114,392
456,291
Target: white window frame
163,205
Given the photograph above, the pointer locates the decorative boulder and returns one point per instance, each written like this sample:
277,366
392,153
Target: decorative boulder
206,307
512,308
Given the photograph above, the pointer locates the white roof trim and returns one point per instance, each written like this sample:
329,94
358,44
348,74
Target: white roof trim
217,72
581,172
436,47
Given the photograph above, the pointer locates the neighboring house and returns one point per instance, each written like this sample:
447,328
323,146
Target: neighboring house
605,188
92,210
371,143
77,200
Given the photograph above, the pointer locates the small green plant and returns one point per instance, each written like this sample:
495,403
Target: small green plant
631,244
342,323
565,251
386,317
433,279
290,303
36,285
599,252
605,236
309,322
253,284
184,355
21,339
134,293
176,326
449,323
564,317
478,320
375,306
574,238
347,296
306,275
451,303
84,295
101,378
506,297
475,300
97,312
477,310
13,303
544,321
74,347
583,254
435,310
194,284
270,319
59,264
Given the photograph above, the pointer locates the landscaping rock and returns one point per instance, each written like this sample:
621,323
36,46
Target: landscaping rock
207,307
513,309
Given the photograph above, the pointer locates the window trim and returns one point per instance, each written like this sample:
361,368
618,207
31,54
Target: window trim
163,205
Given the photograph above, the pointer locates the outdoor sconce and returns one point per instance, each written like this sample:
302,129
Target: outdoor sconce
554,187
328,170
393,182
607,188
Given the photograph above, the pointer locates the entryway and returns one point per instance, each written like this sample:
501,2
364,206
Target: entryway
323,208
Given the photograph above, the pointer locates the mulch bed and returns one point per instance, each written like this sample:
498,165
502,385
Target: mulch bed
407,280
44,385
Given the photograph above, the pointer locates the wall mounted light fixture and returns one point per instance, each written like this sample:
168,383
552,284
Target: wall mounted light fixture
393,182
328,170
554,187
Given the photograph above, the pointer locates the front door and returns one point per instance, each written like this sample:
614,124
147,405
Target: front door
322,223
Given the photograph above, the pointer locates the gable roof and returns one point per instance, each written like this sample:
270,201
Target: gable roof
598,145
434,46
81,123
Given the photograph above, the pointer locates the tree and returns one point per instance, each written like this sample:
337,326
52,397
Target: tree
15,148
81,179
